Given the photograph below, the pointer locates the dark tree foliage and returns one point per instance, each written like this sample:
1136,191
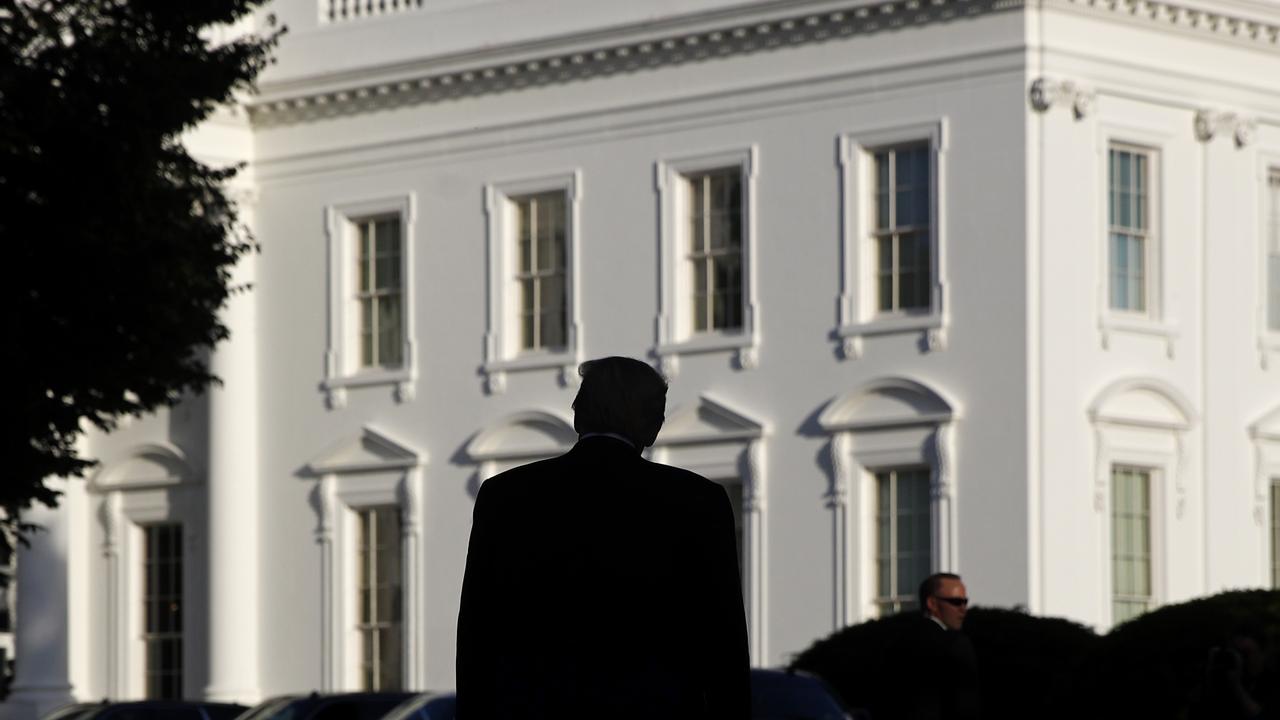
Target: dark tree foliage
119,244
1155,664
1026,663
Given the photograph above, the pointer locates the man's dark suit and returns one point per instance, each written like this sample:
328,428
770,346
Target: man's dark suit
599,584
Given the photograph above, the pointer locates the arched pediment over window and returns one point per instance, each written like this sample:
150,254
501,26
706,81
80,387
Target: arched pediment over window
369,450
707,421
1143,402
886,403
528,434
149,465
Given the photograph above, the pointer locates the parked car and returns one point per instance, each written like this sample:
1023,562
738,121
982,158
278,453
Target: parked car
148,710
339,706
426,706
781,695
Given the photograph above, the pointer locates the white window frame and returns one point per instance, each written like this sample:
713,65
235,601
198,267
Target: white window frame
502,352
1268,337
918,434
1154,499
361,630
149,484
675,336
895,473
342,354
1155,441
723,445
365,471
1265,436
858,313
1154,321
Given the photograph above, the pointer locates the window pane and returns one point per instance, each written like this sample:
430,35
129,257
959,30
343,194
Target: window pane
390,331
364,256
551,224
697,205
524,236
162,609
884,273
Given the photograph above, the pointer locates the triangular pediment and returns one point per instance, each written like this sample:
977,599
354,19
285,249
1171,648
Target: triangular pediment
707,421
886,403
529,434
367,451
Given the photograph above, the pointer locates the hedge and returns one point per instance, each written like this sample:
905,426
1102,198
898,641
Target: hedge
1052,668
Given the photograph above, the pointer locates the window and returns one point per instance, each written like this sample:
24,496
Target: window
1275,533
903,537
714,216
1273,251
540,270
378,292
1129,207
162,608
379,598
893,238
370,313
706,299
368,523
900,232
1130,542
532,317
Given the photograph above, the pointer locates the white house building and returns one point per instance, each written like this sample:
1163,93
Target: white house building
987,286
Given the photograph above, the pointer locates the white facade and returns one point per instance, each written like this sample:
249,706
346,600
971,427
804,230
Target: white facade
1029,365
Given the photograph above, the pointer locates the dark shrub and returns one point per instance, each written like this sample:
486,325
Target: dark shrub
1154,665
1026,662
859,663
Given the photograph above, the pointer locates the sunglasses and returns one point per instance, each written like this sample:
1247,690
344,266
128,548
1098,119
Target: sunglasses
955,602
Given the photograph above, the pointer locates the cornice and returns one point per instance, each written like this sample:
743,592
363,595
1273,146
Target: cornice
552,67
568,59
1243,24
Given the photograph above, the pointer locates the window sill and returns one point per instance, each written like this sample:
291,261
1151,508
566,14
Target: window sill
335,388
495,372
1137,325
744,343
931,324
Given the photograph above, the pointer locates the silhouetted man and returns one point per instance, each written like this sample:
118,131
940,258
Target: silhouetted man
946,683
599,584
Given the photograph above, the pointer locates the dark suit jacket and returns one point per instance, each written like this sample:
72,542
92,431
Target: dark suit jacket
940,672
599,584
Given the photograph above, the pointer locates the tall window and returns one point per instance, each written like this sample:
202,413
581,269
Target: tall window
1275,533
1273,251
901,234
379,292
540,270
1129,227
162,608
379,596
904,555
1130,542
715,248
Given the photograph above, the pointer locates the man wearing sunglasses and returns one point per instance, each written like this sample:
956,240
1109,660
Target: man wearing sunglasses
943,600
948,689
